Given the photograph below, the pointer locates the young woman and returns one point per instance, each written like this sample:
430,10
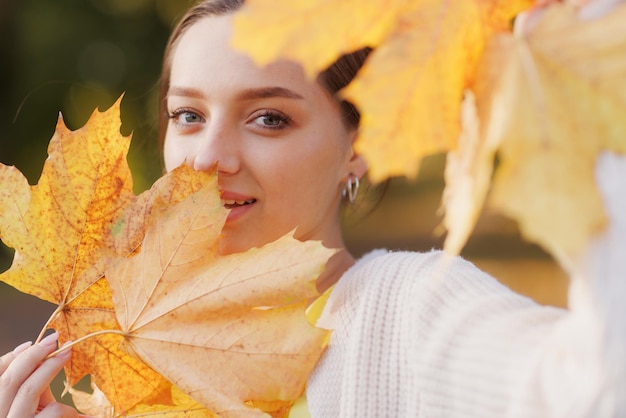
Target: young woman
410,338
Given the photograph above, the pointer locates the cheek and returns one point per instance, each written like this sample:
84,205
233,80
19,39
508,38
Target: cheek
173,155
315,174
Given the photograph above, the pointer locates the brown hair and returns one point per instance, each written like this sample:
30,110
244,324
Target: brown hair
334,78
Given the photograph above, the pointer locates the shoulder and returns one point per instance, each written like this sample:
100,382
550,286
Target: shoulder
380,267
403,278
430,281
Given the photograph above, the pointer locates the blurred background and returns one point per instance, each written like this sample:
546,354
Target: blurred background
73,56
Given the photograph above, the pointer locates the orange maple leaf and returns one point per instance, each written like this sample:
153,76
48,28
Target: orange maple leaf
409,91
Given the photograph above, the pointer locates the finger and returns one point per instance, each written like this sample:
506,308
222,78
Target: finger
525,22
35,386
19,368
9,357
596,9
46,398
57,410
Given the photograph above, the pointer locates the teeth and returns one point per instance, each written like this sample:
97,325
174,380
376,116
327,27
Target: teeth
237,202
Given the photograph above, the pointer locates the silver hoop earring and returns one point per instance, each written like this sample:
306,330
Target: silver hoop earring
352,188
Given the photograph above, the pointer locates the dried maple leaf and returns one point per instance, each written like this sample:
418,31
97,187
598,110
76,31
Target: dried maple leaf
65,229
550,101
93,404
467,176
183,407
97,405
57,227
126,380
229,330
409,91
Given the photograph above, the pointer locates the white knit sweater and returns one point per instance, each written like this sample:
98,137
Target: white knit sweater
421,335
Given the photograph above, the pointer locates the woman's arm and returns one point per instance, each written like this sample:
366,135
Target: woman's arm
422,335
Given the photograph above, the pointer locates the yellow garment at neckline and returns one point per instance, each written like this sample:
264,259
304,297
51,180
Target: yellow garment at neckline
300,408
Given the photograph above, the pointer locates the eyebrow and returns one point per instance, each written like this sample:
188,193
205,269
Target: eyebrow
185,92
268,92
248,94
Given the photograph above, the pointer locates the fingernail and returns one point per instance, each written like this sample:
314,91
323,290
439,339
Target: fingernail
65,353
22,347
50,340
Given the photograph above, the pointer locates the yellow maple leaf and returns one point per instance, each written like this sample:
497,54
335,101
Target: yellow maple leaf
409,91
231,330
57,226
549,101
313,32
467,177
60,230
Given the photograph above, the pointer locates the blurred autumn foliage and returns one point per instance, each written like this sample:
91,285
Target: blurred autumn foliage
73,56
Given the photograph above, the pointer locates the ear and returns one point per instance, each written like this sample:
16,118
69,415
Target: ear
356,164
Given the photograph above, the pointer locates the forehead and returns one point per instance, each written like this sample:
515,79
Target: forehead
203,57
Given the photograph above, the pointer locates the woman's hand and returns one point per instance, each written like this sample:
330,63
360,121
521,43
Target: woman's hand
586,10
25,378
592,9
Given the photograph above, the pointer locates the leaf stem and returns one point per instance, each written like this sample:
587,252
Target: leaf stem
85,337
54,315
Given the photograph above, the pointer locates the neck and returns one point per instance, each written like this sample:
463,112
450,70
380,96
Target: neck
335,267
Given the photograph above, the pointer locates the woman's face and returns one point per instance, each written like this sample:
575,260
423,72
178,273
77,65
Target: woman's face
282,151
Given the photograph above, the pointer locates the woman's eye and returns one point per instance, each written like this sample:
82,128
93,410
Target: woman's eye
270,120
186,117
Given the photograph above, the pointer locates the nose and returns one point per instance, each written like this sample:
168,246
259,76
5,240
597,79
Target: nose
219,146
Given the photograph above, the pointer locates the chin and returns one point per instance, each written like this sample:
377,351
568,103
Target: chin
229,244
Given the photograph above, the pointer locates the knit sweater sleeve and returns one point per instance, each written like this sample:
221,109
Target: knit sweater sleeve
422,335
